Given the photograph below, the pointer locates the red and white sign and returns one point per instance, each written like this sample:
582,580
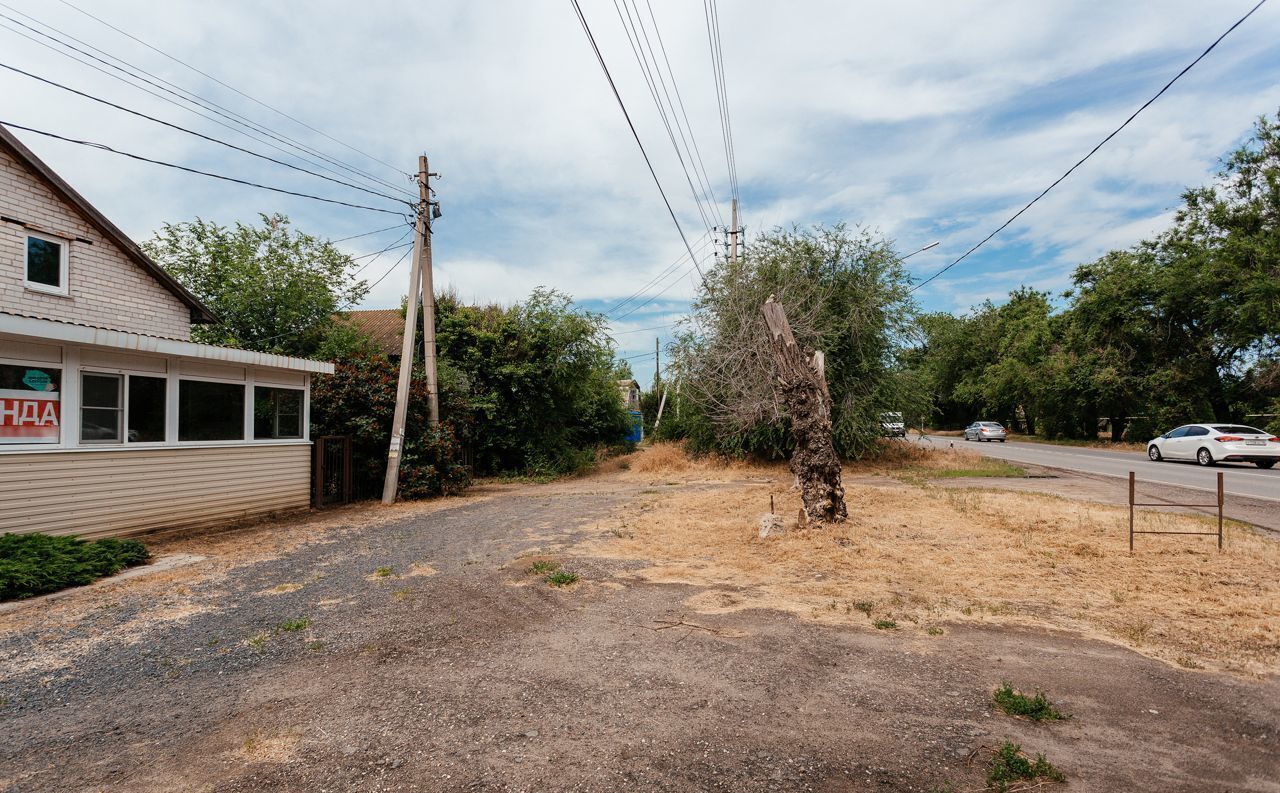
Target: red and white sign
30,416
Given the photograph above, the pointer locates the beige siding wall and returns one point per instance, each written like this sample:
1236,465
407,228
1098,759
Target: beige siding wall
127,491
107,289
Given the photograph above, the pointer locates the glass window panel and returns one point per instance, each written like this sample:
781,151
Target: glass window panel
99,424
277,413
44,262
29,378
210,411
100,390
30,404
100,408
146,409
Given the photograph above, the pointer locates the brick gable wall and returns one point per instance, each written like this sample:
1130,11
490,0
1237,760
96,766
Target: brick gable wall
107,289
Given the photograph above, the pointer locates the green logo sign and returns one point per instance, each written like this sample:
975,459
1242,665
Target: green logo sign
37,380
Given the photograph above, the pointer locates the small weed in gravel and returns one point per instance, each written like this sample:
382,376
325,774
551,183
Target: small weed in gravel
1010,765
562,578
885,625
1037,708
294,625
258,641
865,606
382,572
542,567
934,631
403,593
1187,662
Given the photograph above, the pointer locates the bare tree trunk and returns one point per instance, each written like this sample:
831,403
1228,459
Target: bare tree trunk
802,386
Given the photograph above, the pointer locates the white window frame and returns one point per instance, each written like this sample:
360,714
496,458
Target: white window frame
64,372
123,409
64,261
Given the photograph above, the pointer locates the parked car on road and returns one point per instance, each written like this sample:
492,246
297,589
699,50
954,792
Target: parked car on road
1215,443
985,431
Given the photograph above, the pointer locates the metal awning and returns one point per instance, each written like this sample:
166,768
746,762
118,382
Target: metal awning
48,330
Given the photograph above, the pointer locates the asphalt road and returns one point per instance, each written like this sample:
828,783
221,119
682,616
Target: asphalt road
1239,479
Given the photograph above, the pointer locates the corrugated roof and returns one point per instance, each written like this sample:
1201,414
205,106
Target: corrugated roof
383,326
78,333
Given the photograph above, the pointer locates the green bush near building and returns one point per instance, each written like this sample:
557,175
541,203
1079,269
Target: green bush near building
35,564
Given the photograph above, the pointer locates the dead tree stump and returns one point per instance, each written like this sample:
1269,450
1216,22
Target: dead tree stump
802,387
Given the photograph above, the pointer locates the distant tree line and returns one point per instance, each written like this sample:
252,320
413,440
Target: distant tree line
1181,328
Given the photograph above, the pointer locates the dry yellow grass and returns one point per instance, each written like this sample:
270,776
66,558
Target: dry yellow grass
660,458
924,556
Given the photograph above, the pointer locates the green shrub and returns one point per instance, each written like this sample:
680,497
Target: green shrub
562,578
359,400
34,564
1037,708
1010,765
540,384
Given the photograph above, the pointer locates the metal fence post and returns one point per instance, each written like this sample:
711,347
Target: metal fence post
317,474
1220,502
1131,487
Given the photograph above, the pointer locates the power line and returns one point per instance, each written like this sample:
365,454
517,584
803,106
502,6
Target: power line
366,234
200,135
232,88
1094,150
642,330
389,270
706,180
622,105
656,295
139,157
136,73
654,78
712,16
373,257
657,277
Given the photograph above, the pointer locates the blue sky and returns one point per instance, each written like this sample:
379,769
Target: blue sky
926,121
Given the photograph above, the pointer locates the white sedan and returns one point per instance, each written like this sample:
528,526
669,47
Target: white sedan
1215,443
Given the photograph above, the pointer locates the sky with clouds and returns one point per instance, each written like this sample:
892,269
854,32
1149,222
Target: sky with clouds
924,120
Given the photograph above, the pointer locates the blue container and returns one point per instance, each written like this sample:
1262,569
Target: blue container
637,426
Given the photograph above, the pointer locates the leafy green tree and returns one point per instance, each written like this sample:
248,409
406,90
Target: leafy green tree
274,288
540,380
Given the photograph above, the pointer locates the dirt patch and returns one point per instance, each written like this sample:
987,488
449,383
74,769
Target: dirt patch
468,683
921,556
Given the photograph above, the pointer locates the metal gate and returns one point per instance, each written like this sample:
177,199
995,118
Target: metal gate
331,471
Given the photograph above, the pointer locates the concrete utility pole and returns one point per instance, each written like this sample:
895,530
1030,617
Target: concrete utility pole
429,209
421,246
733,255
657,363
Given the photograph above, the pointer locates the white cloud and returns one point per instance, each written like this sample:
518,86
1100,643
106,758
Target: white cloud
924,120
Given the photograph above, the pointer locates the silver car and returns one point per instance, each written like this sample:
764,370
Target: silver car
1215,443
985,431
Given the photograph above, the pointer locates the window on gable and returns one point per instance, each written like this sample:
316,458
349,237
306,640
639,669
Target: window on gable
46,264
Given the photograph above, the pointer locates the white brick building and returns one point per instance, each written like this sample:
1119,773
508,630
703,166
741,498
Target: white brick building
111,420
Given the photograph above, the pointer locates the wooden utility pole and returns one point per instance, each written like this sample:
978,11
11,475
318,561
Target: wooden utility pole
802,386
428,209
421,239
733,234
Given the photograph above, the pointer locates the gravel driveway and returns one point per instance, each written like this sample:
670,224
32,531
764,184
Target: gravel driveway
409,649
